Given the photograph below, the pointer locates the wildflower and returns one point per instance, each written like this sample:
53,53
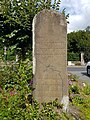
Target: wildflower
31,82
19,4
69,74
12,93
84,84
70,82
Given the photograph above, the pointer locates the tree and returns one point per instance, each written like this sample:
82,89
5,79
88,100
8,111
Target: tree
16,22
87,54
88,29
73,42
79,42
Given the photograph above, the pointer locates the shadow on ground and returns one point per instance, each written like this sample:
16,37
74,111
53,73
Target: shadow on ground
85,73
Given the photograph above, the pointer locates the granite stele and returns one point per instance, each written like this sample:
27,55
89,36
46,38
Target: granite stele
50,57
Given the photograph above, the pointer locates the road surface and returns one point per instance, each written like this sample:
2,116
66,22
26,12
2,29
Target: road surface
80,71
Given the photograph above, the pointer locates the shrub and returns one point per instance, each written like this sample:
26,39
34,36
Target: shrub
87,54
79,96
16,96
16,100
16,91
71,56
74,89
86,89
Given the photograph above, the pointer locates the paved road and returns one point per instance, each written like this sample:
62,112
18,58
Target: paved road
80,71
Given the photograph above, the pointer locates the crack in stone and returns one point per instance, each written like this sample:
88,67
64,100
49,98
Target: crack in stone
48,67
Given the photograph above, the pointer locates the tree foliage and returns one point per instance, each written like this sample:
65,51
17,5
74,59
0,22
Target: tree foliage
71,56
87,54
79,42
16,22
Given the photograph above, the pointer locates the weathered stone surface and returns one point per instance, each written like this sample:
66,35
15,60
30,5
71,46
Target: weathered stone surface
49,56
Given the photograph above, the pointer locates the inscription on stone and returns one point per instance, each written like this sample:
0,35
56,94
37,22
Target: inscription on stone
49,56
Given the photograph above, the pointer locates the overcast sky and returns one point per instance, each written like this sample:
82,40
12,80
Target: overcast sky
79,13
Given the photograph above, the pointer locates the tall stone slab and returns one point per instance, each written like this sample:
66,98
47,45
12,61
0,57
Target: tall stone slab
49,56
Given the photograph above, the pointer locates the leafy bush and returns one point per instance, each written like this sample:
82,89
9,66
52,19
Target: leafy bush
86,89
74,89
83,104
78,100
16,91
16,100
79,95
87,54
71,56
15,75
73,78
16,96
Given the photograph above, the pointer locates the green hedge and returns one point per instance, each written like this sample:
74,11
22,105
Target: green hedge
71,56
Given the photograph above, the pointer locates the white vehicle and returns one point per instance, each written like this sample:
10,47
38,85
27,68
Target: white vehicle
88,68
88,63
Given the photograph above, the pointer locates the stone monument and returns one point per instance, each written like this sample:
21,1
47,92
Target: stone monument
82,59
50,56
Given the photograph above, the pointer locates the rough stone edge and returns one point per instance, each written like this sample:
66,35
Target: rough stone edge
52,11
65,102
33,38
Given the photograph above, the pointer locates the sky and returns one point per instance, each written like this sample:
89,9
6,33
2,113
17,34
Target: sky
79,14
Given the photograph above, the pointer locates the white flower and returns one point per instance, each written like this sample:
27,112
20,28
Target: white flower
84,84
19,4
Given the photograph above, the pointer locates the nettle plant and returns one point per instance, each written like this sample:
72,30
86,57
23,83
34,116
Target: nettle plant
16,100
15,90
79,96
